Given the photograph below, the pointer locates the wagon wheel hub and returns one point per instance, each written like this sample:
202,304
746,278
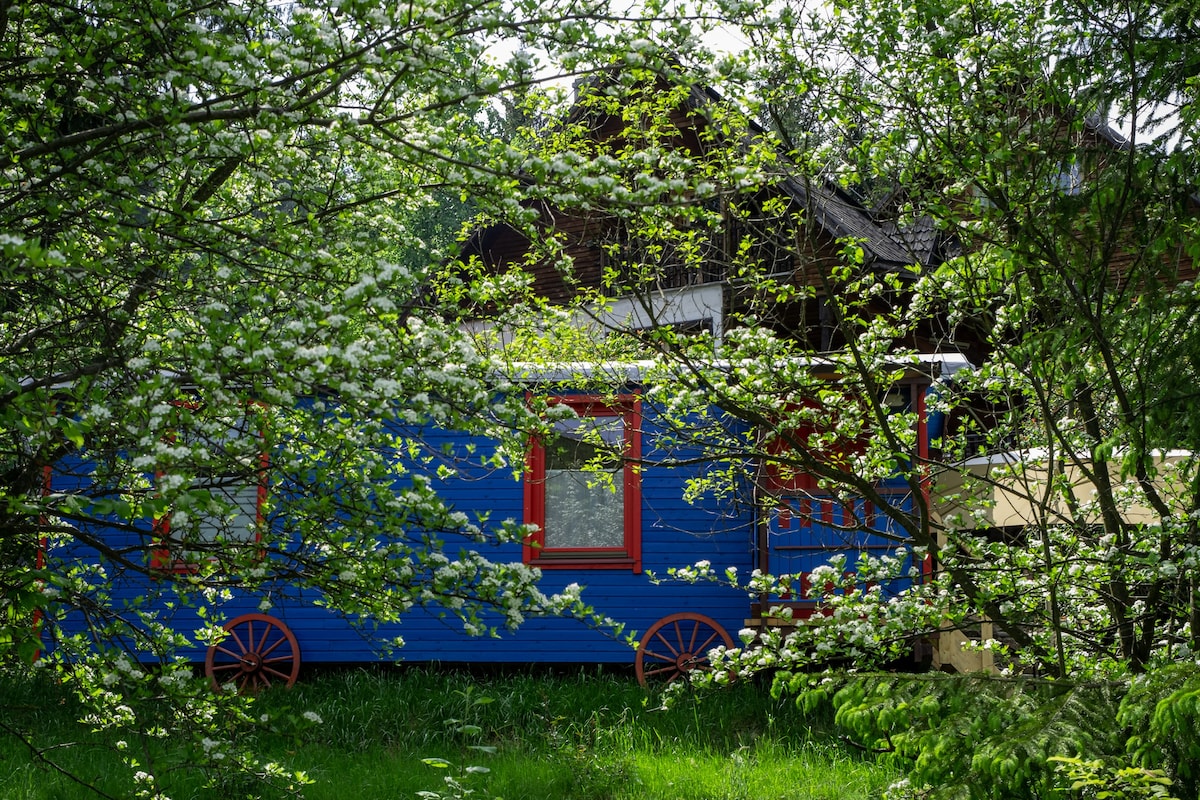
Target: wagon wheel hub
251,662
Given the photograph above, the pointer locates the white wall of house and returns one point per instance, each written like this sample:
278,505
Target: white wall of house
689,307
669,307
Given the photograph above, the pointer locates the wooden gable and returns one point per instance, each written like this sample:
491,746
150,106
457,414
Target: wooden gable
797,228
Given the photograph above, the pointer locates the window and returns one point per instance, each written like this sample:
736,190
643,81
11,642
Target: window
690,257
223,503
1067,179
583,489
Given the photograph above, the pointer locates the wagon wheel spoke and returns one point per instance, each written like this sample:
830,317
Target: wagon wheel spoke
704,648
659,638
691,645
671,668
230,653
281,675
684,647
697,628
263,641
233,634
267,651
651,654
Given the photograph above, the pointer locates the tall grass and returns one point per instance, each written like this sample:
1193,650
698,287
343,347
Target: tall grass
586,735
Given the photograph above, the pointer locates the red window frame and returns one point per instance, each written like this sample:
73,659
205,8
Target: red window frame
165,559
629,554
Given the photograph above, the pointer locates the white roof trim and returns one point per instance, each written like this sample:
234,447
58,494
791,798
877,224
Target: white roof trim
937,365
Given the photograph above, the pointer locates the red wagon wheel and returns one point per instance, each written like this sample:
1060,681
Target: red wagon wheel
676,645
258,652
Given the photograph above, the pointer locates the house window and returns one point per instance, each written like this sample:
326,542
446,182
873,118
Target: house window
583,488
223,505
1068,179
632,263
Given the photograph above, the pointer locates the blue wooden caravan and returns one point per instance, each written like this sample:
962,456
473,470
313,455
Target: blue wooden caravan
608,539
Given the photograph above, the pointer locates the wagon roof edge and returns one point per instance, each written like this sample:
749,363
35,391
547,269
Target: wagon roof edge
940,366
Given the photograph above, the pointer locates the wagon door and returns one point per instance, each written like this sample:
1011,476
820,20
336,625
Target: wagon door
806,534
810,533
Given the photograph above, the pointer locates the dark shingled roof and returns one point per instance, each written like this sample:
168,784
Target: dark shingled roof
834,211
844,218
925,243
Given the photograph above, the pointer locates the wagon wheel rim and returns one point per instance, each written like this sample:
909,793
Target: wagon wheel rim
676,646
259,652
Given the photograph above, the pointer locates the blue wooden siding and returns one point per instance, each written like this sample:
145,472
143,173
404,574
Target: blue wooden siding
806,532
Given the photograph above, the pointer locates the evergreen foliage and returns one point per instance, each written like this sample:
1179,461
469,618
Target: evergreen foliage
991,736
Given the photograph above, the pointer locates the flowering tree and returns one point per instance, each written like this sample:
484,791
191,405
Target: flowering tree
1059,504
210,258
223,244
1052,252
1059,501
1064,273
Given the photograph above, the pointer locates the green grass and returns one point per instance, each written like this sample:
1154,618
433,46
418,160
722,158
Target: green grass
584,735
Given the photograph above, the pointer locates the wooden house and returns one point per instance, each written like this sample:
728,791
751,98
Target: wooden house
793,229
788,227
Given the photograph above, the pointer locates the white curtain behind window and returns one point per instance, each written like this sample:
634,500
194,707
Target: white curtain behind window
585,508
